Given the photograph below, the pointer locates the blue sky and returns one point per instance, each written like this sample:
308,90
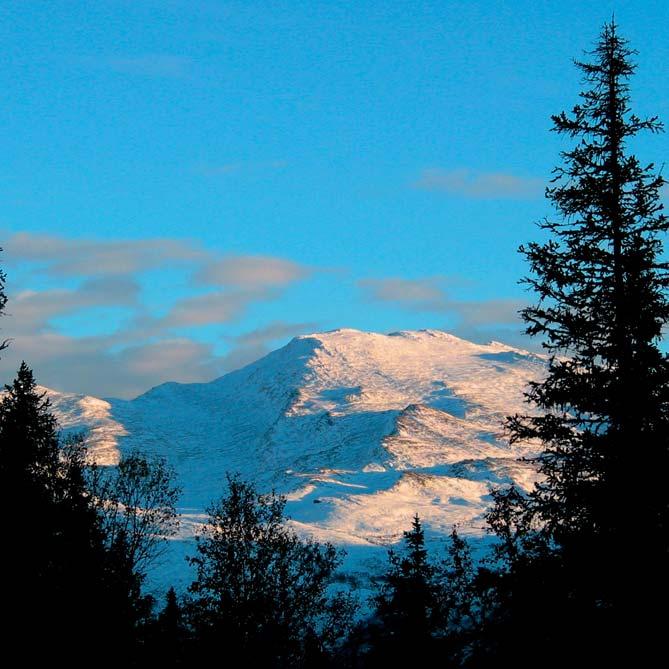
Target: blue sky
186,185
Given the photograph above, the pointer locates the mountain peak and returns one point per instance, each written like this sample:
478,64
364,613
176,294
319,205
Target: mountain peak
375,427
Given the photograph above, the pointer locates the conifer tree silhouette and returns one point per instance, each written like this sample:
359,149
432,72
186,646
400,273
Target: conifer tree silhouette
61,592
591,538
407,605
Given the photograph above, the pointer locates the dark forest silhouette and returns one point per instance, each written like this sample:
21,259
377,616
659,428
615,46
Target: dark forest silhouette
578,570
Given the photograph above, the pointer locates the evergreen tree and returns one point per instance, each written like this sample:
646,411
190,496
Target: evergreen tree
408,605
406,599
57,588
261,590
588,546
3,302
166,637
68,577
171,618
28,436
457,574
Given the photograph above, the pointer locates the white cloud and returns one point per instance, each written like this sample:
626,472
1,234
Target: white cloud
481,185
251,272
413,294
221,307
272,332
31,311
92,365
145,350
252,345
59,256
428,295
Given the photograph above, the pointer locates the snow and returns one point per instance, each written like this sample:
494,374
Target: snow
360,430
92,417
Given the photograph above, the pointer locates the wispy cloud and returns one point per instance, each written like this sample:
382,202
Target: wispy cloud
94,366
146,348
60,256
251,272
97,366
485,313
412,294
211,308
32,311
474,317
252,345
273,332
479,185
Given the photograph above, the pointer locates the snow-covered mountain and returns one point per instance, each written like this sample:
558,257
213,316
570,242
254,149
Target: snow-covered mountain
359,430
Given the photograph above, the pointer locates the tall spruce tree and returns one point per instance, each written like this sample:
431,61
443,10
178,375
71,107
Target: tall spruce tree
594,532
67,578
56,587
406,601
407,606
3,302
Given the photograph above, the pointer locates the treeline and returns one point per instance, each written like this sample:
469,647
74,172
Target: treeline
577,572
77,538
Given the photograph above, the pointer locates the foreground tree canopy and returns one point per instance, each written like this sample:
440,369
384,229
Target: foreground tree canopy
260,588
77,559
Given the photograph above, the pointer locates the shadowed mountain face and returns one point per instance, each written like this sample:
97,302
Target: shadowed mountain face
359,430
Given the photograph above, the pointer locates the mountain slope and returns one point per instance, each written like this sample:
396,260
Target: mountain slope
360,430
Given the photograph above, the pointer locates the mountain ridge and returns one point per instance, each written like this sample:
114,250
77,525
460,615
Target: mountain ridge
359,430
